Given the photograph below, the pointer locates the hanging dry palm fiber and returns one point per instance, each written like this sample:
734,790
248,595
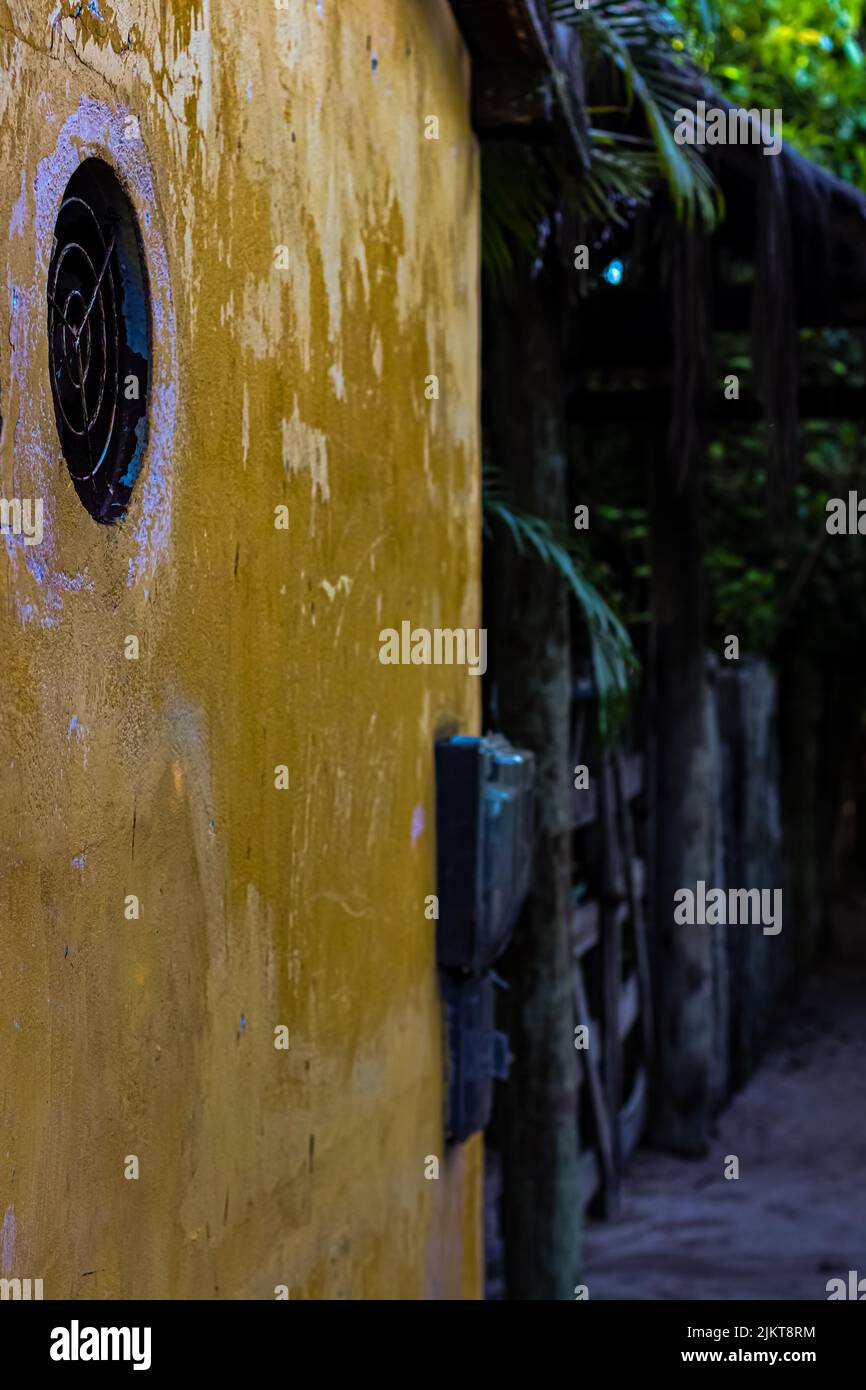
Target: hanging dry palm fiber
774,332
687,273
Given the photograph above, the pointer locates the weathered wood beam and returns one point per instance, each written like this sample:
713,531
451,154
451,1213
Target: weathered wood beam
502,31
510,99
526,72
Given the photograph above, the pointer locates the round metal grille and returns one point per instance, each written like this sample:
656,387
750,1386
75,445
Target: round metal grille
99,339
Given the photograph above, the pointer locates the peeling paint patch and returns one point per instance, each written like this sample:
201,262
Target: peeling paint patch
343,585
190,90
262,317
335,372
305,450
378,353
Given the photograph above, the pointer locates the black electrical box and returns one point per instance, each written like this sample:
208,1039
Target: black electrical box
477,1052
483,848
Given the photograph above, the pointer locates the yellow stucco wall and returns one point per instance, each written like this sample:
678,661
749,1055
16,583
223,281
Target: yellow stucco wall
258,1167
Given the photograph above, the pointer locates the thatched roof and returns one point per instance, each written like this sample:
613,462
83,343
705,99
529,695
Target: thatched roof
803,230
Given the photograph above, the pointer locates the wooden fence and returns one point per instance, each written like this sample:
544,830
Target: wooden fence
612,986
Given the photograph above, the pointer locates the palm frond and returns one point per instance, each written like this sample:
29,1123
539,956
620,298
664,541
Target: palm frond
514,203
638,41
621,173
614,662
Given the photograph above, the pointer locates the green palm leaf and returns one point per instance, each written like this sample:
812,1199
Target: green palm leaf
639,42
614,662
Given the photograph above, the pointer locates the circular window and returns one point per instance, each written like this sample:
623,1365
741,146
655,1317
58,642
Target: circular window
99,339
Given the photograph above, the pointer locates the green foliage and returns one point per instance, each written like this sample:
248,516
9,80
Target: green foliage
642,51
644,47
802,56
805,57
515,200
618,178
615,665
520,188
812,584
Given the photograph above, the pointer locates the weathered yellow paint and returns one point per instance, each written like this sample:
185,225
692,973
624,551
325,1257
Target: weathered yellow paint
259,647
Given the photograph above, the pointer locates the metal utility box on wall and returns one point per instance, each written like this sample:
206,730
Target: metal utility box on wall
484,861
483,847
478,1053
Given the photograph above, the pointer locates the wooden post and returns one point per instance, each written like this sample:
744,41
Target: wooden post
684,840
530,651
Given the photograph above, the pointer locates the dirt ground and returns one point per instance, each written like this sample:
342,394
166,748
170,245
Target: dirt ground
796,1216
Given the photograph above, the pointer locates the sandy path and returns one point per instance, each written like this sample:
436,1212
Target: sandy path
796,1216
